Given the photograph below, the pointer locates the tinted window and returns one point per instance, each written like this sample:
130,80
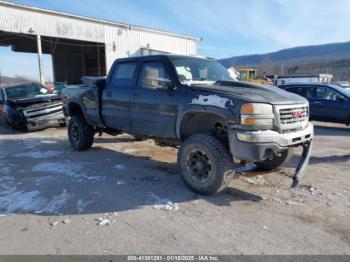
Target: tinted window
323,92
297,90
123,74
304,91
153,76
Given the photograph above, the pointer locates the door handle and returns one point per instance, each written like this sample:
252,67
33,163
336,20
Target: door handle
109,93
135,96
316,103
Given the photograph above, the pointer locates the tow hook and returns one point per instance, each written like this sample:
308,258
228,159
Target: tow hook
303,162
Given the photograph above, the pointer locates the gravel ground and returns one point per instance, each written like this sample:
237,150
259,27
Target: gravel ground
127,197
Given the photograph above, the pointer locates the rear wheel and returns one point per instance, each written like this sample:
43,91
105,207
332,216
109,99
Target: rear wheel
276,161
80,134
206,165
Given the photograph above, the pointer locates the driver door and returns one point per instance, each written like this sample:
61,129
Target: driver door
153,110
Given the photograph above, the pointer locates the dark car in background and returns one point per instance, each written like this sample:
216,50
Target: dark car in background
329,103
29,107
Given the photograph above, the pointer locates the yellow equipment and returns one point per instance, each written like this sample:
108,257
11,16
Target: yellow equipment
250,75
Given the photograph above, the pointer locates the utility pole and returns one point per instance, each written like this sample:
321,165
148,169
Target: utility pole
40,56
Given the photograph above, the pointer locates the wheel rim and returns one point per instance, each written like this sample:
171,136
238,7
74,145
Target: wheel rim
199,165
75,134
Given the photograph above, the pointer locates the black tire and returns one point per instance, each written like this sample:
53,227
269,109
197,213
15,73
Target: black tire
80,134
209,172
271,164
4,122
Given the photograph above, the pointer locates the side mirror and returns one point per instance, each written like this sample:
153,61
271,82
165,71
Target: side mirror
100,83
340,99
171,87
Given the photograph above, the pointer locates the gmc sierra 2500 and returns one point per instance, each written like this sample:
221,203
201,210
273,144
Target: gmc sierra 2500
192,103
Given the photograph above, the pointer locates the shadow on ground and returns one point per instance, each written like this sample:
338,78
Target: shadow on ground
324,130
43,175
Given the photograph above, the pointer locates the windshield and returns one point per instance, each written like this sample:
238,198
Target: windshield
26,91
200,71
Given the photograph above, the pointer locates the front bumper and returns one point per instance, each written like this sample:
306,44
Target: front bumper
45,121
257,146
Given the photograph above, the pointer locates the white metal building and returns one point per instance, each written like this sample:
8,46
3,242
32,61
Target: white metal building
81,45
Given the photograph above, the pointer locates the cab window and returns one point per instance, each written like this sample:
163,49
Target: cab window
328,93
123,74
153,76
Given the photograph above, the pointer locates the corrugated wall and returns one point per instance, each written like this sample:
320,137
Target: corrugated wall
120,40
18,20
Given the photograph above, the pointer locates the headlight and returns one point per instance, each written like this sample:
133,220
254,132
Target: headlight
257,114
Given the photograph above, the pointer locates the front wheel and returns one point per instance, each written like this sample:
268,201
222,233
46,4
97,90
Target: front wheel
206,165
276,161
80,134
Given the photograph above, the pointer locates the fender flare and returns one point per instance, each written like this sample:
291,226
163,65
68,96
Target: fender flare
82,107
192,108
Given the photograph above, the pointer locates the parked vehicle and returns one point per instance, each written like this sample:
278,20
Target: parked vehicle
192,103
329,103
30,107
343,84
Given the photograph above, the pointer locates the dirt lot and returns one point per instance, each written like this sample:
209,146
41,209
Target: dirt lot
126,197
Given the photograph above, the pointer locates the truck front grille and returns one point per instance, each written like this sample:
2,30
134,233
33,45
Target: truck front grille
44,112
292,118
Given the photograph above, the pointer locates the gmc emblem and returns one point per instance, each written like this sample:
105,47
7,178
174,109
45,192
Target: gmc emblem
298,114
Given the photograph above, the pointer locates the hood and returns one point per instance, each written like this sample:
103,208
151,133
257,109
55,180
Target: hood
24,102
252,92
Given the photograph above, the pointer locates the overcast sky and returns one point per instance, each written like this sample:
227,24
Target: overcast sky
228,27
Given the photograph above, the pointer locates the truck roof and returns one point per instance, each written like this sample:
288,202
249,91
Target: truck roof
159,56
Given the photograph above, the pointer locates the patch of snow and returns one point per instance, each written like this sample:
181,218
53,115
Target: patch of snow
104,222
130,150
21,201
66,221
81,205
56,203
32,201
121,182
212,100
4,167
120,167
7,185
92,179
39,154
54,223
49,141
164,203
64,168
38,181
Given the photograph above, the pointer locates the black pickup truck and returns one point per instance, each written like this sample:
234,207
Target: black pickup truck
192,103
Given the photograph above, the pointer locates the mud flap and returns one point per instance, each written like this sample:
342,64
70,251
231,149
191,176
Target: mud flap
303,162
